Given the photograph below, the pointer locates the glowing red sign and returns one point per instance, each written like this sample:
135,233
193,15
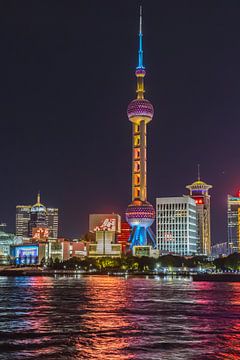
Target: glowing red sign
199,201
40,233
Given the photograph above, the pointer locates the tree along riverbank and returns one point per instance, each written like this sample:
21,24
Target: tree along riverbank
163,263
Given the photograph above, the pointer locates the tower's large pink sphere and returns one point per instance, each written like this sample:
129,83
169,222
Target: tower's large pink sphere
140,107
142,214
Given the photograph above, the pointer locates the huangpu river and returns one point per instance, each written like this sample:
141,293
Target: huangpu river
118,318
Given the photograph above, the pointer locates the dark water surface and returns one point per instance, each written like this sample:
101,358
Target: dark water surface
101,317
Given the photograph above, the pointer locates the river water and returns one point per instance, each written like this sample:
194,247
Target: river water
117,318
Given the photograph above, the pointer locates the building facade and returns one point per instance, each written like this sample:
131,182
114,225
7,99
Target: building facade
106,228
105,245
199,193
233,223
22,219
52,222
176,225
6,241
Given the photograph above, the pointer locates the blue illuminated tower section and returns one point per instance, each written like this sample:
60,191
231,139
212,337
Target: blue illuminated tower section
140,213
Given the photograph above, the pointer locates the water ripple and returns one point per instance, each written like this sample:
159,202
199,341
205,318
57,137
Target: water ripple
101,317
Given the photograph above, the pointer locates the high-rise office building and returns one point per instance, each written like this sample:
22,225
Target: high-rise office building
140,213
52,222
233,222
29,217
199,192
38,217
22,219
176,225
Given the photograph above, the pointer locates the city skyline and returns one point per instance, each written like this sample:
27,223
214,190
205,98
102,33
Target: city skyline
144,260
50,98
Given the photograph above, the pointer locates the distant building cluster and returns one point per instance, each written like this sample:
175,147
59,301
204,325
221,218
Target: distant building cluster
182,228
36,240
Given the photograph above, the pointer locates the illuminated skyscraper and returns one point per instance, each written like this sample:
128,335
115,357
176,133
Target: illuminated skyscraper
140,213
199,192
38,216
52,222
233,244
22,219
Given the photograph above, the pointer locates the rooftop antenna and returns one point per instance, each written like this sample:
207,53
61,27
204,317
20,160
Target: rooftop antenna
38,197
140,50
198,166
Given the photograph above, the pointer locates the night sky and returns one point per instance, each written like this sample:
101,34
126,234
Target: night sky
67,76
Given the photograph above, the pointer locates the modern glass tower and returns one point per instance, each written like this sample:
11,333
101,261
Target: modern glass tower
52,222
233,243
22,219
140,213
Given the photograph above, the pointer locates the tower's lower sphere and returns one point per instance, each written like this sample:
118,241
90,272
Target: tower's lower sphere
140,213
140,107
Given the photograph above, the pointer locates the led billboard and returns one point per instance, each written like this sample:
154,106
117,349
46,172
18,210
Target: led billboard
105,222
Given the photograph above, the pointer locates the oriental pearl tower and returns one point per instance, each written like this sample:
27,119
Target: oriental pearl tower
140,213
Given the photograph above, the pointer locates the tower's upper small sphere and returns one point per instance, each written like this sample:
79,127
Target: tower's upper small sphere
140,72
140,107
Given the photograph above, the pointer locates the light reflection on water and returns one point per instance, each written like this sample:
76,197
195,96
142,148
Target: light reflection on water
115,318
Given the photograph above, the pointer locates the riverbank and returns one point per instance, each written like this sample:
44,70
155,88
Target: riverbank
49,272
26,271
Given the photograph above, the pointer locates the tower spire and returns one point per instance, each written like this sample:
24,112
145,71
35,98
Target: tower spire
140,49
198,167
140,69
38,198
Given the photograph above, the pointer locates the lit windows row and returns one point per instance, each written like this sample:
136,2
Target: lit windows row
180,206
